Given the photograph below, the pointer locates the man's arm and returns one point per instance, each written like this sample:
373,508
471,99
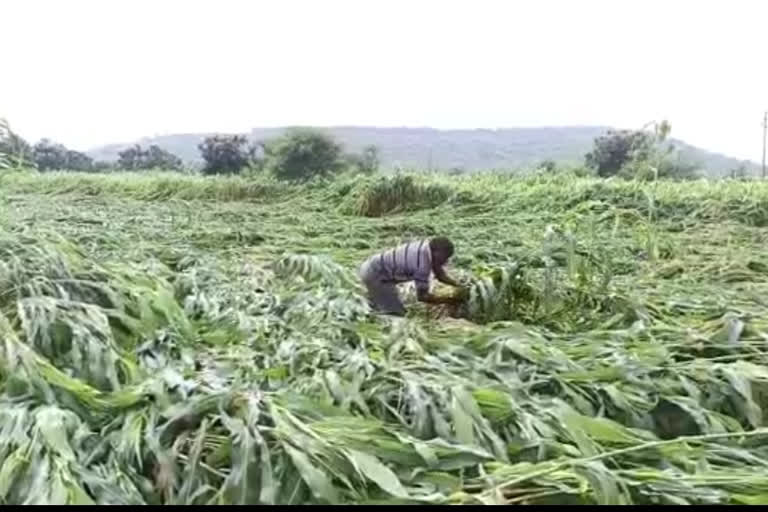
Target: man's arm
441,276
425,296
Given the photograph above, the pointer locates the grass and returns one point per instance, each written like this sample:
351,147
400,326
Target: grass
174,339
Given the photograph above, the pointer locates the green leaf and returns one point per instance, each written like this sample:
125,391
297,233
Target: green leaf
377,473
462,412
316,479
603,429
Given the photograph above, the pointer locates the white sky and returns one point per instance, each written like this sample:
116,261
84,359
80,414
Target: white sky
86,72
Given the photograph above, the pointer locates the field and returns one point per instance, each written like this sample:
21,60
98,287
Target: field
177,340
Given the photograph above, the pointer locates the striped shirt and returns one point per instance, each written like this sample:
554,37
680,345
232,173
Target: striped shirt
406,262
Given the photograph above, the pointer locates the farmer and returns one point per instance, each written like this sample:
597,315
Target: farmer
414,261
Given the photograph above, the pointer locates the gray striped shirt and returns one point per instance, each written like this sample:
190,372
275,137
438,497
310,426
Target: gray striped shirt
406,262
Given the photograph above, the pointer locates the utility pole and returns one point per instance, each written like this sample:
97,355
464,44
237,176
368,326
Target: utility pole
765,130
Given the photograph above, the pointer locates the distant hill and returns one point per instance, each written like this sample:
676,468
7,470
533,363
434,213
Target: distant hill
446,149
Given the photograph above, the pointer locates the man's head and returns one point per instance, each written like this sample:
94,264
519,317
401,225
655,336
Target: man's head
442,250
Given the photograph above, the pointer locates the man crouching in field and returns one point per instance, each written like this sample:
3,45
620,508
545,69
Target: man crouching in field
414,261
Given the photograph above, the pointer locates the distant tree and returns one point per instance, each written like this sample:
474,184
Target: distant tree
131,158
257,154
49,155
645,155
154,157
104,166
225,154
548,166
14,150
304,153
158,158
738,173
616,148
77,161
370,159
365,162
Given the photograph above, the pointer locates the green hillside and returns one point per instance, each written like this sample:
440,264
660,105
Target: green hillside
447,149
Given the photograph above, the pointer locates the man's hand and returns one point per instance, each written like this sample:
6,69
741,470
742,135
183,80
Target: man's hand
444,278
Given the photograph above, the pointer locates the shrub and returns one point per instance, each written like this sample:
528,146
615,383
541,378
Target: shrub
374,198
137,158
303,153
224,154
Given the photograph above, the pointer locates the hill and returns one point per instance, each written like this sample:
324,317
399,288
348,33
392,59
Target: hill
446,149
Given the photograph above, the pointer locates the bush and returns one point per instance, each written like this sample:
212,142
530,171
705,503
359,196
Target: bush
374,198
548,166
665,167
366,162
614,150
14,150
138,159
225,154
302,154
49,156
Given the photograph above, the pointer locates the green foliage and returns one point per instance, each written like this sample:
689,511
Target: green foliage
739,172
103,166
639,155
304,153
471,150
206,341
367,162
15,152
224,154
48,156
137,158
383,195
548,166
4,154
617,148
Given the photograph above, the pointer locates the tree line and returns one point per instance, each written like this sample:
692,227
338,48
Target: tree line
299,154
302,153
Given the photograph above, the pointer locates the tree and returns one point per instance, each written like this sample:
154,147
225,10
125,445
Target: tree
644,155
14,150
49,155
158,158
303,153
104,166
738,173
225,154
548,166
365,162
370,159
131,158
77,161
613,150
154,157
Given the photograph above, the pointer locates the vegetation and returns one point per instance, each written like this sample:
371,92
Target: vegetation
367,162
14,150
224,154
470,150
154,157
182,339
49,156
45,155
302,154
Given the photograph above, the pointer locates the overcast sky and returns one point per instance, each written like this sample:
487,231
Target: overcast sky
86,73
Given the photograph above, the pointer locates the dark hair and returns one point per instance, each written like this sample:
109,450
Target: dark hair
441,244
